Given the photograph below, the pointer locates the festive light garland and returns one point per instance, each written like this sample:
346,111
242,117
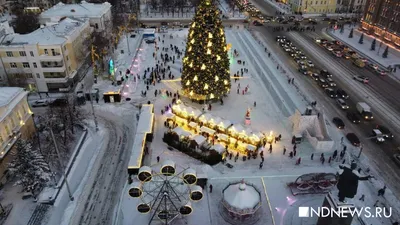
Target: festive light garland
205,72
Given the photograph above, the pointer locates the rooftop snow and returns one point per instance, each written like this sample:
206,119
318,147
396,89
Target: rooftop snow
7,94
49,35
82,10
146,119
241,196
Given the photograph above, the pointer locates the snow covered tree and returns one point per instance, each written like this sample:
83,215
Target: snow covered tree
386,52
342,29
361,41
29,167
373,45
206,73
351,33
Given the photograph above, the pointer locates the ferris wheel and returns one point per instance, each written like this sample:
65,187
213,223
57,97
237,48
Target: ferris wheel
166,193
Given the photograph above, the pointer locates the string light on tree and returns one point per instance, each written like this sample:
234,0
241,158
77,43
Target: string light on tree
205,74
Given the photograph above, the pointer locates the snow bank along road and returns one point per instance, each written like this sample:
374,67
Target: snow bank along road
103,187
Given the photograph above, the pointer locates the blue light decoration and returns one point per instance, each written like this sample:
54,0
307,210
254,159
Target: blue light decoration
111,67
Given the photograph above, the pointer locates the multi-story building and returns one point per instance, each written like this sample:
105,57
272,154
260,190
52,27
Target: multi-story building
382,19
15,122
47,59
5,28
313,6
351,6
99,15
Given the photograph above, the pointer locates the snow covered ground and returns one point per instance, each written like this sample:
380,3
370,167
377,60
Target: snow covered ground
267,115
365,48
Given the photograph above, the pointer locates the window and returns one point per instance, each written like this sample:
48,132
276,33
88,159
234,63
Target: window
38,76
69,68
34,65
316,2
9,54
22,53
46,52
13,65
25,65
32,54
53,52
28,75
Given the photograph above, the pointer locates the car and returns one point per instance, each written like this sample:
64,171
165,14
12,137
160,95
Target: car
385,131
353,117
338,54
150,40
342,103
330,92
58,102
303,70
287,49
257,23
302,64
329,47
338,122
302,56
312,22
342,94
380,72
378,136
40,103
294,47
373,66
362,79
326,19
353,139
322,82
297,60
325,73
315,76
310,63
331,82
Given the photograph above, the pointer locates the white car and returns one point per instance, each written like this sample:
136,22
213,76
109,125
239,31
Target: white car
362,79
40,103
310,64
342,103
331,82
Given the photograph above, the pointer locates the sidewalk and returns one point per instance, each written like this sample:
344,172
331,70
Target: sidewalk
283,8
393,56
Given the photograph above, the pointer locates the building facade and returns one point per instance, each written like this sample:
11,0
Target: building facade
47,59
382,19
99,15
15,122
313,6
351,6
5,28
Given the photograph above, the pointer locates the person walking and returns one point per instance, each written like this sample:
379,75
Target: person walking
298,161
381,192
210,188
362,197
270,148
312,156
294,152
284,150
261,165
158,159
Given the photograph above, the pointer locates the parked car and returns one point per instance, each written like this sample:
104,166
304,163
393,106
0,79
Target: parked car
302,64
331,82
373,66
381,72
385,131
342,94
342,103
150,40
297,60
58,102
338,54
353,139
303,70
302,56
322,82
257,23
378,136
310,63
40,103
315,76
353,117
330,92
362,79
325,73
338,122
329,47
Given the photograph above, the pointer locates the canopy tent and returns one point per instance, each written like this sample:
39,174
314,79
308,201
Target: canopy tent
199,139
218,148
251,147
207,130
214,121
205,118
181,132
224,124
193,124
169,115
223,137
186,111
237,128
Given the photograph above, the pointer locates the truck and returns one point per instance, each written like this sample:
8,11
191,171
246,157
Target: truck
364,110
358,62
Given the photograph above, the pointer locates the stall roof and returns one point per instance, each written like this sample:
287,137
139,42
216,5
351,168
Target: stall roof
181,132
205,117
237,127
146,119
137,151
192,124
199,139
207,130
219,148
223,136
225,123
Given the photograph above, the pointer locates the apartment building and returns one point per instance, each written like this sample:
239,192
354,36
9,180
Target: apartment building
382,19
313,6
15,122
99,15
47,59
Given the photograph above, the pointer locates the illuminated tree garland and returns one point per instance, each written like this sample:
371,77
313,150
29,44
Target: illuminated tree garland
206,73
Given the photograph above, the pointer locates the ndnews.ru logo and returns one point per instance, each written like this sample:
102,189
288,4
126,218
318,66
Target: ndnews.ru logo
344,212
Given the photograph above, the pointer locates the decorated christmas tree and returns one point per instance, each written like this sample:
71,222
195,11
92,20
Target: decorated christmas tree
205,74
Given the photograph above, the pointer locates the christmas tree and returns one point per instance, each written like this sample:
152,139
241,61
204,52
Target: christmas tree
205,74
373,45
361,41
351,33
386,52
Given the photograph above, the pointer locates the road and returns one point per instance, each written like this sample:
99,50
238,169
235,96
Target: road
102,190
381,91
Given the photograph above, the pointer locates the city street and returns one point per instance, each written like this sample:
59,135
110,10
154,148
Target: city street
382,91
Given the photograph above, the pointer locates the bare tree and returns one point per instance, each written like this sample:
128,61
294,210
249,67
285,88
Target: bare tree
18,79
26,23
154,4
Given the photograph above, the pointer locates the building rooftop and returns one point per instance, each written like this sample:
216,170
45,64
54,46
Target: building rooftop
82,10
48,35
7,94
